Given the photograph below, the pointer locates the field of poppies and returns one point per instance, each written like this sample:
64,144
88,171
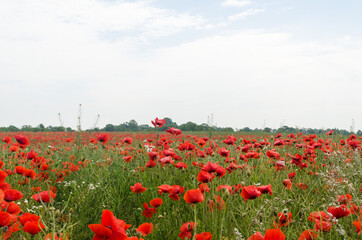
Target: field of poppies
103,186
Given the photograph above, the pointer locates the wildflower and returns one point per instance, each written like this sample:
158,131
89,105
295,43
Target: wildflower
137,188
203,236
22,141
156,202
205,177
322,226
314,216
193,196
145,229
339,212
308,235
148,212
158,122
343,199
250,192
45,196
110,227
265,189
204,188
173,131
31,223
5,219
103,138
283,220
274,234
357,224
186,230
12,195
256,236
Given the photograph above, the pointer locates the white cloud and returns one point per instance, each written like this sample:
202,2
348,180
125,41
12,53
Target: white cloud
40,20
52,59
245,14
236,3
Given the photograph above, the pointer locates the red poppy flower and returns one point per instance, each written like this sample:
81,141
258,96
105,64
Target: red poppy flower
201,142
308,235
253,154
164,189
103,138
265,189
45,196
158,122
204,188
186,230
137,188
330,132
343,199
224,152
10,207
31,223
145,229
250,192
339,212
314,216
256,236
32,227
322,226
273,154
110,227
12,195
283,220
173,131
291,175
151,164
156,202
3,175
5,219
205,177
148,212
181,165
274,234
127,140
22,140
357,224
14,149
7,140
203,236
194,196
176,190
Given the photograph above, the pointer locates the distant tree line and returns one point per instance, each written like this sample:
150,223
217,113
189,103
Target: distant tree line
133,126
39,128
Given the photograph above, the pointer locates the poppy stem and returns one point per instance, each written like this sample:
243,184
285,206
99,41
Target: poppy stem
195,220
223,217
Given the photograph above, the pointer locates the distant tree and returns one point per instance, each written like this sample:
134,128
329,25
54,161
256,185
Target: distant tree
71,130
109,128
189,126
169,123
267,129
144,127
133,125
246,129
12,128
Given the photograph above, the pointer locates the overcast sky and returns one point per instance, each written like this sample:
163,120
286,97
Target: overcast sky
252,63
